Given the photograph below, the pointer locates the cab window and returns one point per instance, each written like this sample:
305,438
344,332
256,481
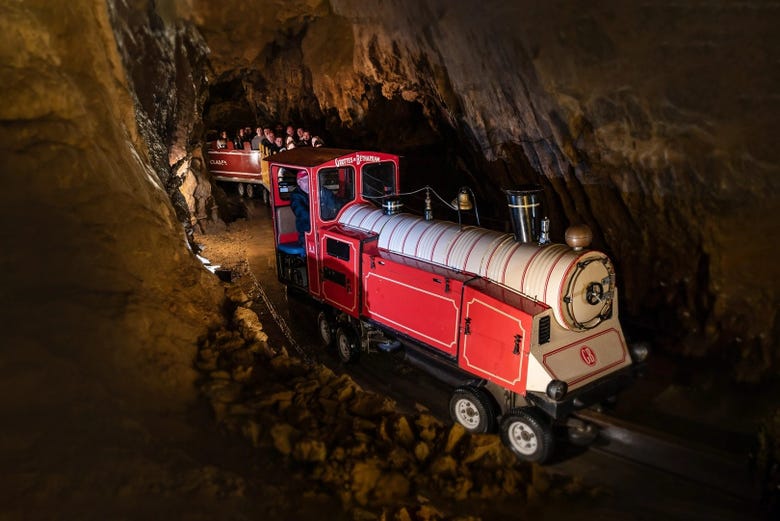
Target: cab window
378,179
336,188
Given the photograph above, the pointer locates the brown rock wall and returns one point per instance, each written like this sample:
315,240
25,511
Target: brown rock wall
96,266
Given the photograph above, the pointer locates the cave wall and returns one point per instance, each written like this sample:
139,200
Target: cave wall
96,270
651,123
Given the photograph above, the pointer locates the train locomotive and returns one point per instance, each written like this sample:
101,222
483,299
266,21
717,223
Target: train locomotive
525,330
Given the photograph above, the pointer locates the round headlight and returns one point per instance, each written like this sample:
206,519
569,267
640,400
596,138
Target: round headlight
639,352
557,389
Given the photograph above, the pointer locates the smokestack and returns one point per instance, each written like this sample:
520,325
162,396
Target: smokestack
525,210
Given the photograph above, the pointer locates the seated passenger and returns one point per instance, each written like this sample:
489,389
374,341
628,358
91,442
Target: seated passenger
257,138
222,140
238,141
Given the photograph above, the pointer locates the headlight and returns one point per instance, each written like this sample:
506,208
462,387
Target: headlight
639,352
557,389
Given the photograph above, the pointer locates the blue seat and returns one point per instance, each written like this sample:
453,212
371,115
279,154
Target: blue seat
292,248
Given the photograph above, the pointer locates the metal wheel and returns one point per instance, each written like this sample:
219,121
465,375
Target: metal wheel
473,408
325,327
347,344
527,433
250,190
241,190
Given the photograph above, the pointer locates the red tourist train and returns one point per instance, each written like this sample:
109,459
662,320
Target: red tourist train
528,330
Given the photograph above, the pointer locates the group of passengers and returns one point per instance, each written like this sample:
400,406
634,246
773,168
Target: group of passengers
274,140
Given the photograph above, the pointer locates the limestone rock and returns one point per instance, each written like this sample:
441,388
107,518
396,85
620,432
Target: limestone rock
310,451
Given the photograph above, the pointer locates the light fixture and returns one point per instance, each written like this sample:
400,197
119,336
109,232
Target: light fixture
557,389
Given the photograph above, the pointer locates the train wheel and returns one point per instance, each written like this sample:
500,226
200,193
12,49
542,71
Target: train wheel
250,190
527,433
473,408
241,190
347,344
325,326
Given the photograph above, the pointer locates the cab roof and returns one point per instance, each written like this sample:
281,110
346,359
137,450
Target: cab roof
308,156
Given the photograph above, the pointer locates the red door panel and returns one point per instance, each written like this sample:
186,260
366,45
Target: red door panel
495,340
415,302
338,271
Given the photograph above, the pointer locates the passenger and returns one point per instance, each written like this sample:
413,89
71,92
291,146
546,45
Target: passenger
305,139
269,140
257,138
299,134
222,140
238,142
299,202
317,141
290,142
290,134
279,143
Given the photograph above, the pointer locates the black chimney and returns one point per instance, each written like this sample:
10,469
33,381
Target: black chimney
525,210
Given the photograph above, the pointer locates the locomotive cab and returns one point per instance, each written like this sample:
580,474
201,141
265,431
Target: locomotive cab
336,179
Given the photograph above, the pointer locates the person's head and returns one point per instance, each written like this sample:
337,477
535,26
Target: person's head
290,130
278,142
259,131
300,133
302,178
223,134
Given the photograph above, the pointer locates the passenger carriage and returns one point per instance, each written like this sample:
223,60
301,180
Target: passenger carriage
244,167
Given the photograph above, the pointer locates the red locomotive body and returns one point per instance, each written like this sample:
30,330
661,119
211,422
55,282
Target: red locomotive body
526,332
